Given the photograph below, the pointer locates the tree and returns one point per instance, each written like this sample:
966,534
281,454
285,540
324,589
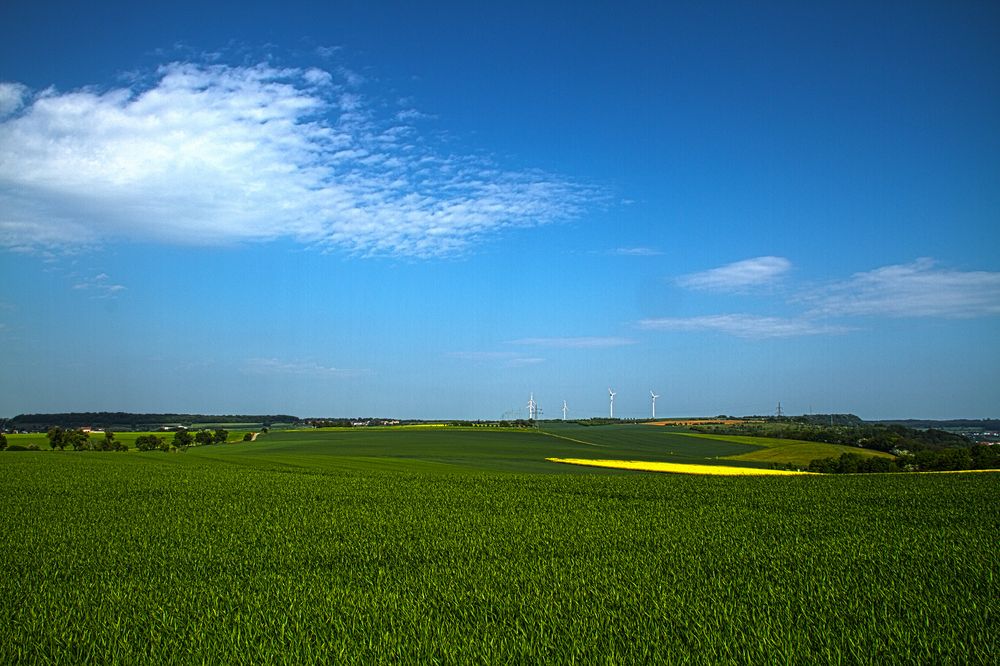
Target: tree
78,439
3,441
220,436
57,438
204,437
248,437
182,439
147,442
109,443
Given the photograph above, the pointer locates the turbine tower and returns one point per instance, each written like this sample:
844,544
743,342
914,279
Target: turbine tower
565,409
654,397
532,407
611,395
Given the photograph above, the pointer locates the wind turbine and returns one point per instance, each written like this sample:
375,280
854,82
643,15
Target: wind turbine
612,394
654,397
565,409
532,407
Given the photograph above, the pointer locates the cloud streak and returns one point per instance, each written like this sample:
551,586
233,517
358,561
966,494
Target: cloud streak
636,252
213,154
917,289
583,342
508,359
274,366
738,276
100,286
743,325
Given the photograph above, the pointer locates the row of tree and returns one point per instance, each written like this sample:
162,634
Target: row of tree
889,437
80,440
927,460
129,420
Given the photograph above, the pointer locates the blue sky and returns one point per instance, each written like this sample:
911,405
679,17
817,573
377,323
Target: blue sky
338,209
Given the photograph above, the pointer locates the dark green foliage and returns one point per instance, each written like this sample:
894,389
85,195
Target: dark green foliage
870,436
986,456
926,460
57,438
182,439
220,436
126,420
853,463
222,563
78,439
203,437
248,437
3,441
148,442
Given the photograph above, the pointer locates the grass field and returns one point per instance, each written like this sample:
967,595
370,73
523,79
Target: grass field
513,449
787,451
467,546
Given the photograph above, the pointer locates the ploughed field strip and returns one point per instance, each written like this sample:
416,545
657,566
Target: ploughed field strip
363,547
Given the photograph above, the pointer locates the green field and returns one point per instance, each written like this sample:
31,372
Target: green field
464,450
505,449
423,546
787,451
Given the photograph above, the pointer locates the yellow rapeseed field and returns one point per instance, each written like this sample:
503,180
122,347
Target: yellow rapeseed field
677,468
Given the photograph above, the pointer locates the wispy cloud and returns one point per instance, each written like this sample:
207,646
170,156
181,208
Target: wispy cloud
917,289
274,366
636,252
744,325
100,286
210,153
738,276
508,359
11,97
584,342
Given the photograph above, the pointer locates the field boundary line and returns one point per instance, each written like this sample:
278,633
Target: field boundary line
570,439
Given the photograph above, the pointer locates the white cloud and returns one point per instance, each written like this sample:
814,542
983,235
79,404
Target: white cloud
99,286
743,325
917,289
210,154
583,342
273,366
636,252
509,359
522,361
11,97
738,276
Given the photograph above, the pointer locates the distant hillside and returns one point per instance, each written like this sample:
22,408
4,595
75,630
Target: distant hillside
974,424
129,421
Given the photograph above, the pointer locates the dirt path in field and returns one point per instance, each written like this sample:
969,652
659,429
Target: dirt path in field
253,437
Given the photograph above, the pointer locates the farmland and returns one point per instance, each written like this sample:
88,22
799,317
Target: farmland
441,545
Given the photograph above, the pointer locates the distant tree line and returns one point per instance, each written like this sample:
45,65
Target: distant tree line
968,424
879,437
131,421
979,456
80,440
516,423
